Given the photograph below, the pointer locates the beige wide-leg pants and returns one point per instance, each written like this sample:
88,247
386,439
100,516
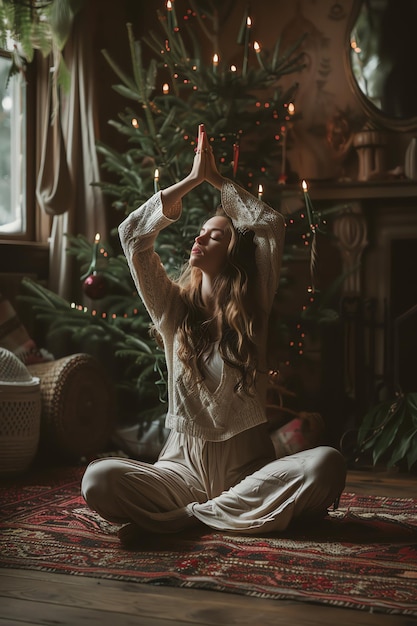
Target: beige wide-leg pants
235,485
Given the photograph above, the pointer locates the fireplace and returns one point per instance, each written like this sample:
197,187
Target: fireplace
376,233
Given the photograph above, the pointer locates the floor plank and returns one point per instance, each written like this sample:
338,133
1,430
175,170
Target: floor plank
43,598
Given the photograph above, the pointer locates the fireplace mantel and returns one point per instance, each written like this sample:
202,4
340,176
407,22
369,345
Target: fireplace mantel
362,190
363,217
375,229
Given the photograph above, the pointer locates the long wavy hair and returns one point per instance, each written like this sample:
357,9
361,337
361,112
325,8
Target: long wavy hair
235,313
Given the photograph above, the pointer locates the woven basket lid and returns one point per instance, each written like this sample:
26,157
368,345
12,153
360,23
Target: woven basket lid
12,370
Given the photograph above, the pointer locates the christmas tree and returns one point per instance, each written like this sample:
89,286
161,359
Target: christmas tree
246,114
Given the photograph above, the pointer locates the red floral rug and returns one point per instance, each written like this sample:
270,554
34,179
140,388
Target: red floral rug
362,556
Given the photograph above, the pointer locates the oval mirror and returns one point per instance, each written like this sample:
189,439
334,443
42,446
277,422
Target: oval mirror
382,58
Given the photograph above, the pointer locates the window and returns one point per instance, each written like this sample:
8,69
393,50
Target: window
13,151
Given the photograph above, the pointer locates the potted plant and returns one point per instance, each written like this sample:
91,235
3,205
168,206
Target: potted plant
389,430
44,25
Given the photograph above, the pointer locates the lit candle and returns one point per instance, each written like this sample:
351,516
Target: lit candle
96,242
260,192
215,62
246,46
257,48
156,180
169,14
165,92
308,204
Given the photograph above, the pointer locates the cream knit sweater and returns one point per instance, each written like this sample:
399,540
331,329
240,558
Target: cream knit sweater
192,408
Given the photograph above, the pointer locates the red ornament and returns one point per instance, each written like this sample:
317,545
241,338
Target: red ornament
95,286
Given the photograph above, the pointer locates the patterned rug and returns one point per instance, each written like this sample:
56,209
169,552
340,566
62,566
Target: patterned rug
363,556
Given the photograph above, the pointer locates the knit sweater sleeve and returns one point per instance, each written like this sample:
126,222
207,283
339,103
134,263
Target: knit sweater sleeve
249,213
137,236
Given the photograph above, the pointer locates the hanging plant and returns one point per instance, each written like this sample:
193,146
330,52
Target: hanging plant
44,25
390,431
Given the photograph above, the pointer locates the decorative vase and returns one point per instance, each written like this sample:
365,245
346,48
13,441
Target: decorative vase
370,146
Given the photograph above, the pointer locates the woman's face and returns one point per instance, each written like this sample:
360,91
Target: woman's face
209,252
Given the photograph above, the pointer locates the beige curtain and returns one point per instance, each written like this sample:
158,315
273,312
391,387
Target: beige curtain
67,160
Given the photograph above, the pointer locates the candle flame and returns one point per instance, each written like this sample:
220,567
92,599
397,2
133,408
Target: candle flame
260,190
248,22
165,89
233,68
291,108
215,59
169,5
304,186
256,47
135,123
156,174
97,238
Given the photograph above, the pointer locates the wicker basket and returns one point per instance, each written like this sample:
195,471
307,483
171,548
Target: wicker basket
77,406
20,409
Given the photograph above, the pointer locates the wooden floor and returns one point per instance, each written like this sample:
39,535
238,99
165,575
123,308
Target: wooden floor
28,597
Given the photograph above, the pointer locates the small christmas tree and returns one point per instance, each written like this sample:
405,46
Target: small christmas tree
246,114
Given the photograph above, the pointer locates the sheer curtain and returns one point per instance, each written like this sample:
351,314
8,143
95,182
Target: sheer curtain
67,162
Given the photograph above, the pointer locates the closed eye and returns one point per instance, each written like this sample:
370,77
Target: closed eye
216,234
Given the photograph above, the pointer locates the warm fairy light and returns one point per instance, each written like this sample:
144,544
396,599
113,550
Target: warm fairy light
135,123
165,89
233,68
256,47
291,108
355,47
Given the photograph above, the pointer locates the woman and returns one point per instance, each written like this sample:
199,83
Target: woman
218,465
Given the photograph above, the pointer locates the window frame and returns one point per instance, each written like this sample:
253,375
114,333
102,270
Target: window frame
29,208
